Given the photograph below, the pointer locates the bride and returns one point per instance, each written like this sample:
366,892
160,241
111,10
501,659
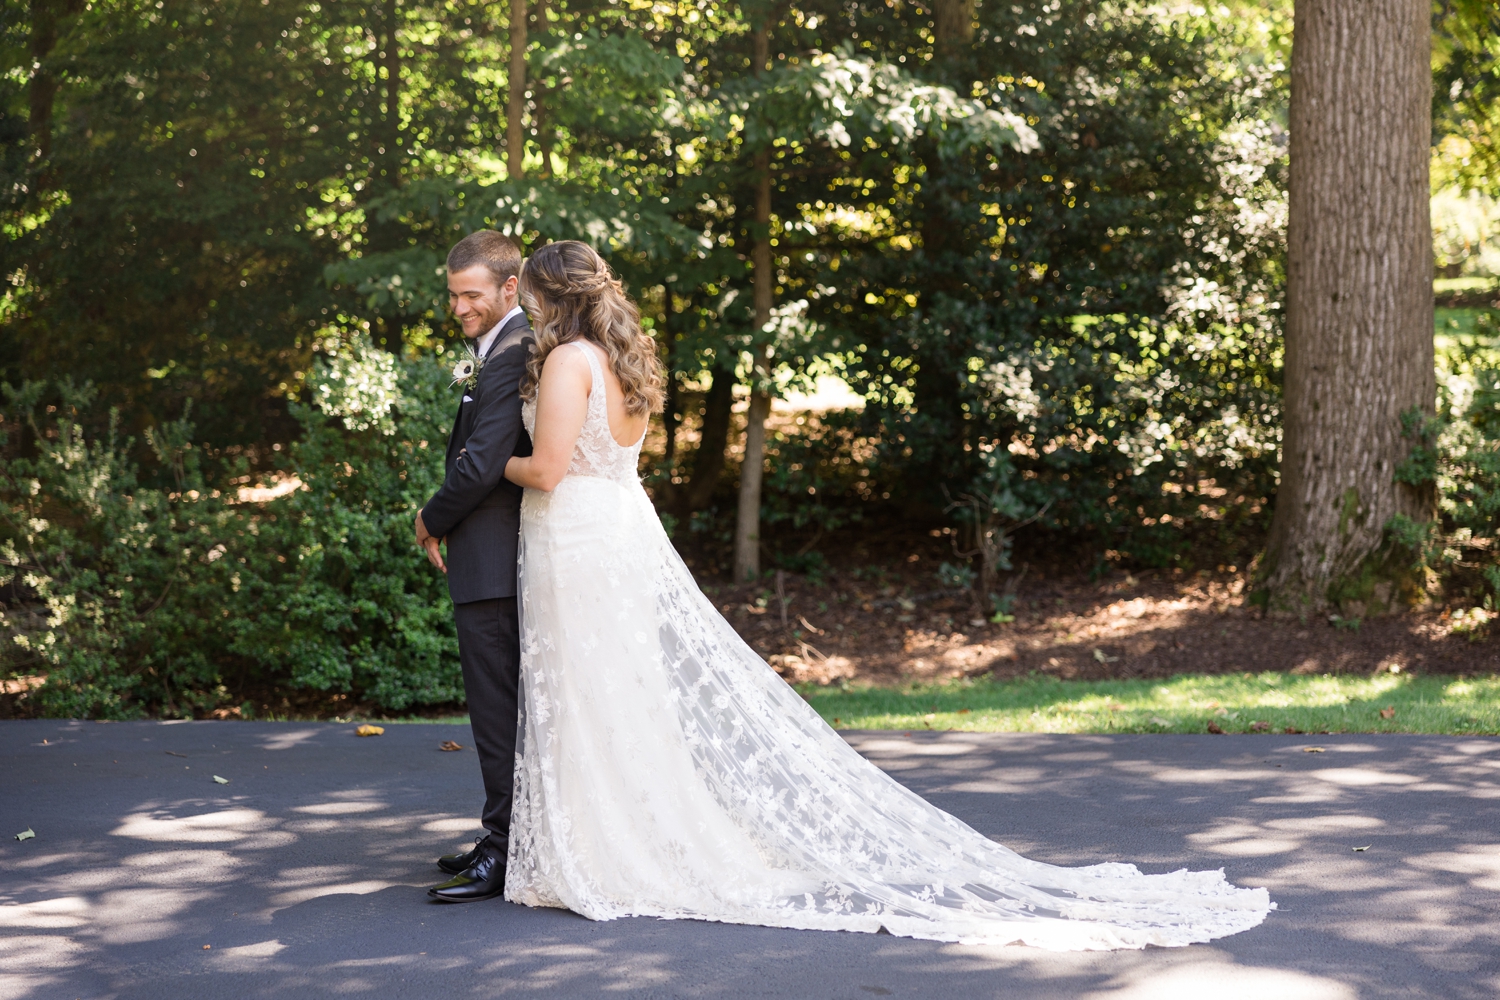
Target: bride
665,770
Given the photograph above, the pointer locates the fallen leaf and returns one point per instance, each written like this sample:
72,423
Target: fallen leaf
26,834
1389,712
368,730
1365,848
964,711
1213,727
1292,731
450,746
1116,708
207,946
220,781
1260,727
1313,750
174,753
1103,657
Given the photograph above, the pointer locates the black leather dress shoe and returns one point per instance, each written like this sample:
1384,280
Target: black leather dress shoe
484,879
455,864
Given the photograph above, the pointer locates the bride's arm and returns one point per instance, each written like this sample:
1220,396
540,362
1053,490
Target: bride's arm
562,405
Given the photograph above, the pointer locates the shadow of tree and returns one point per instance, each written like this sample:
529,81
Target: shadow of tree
305,874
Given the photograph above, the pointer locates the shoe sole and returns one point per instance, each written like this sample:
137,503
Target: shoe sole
466,899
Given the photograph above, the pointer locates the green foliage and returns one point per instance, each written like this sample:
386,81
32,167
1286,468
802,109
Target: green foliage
1466,95
131,578
174,601
1457,454
353,608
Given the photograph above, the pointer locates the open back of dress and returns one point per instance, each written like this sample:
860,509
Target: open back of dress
665,770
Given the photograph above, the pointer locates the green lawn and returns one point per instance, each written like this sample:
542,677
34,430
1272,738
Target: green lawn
1184,704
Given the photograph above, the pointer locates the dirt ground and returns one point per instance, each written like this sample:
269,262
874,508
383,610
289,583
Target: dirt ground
881,617
1134,625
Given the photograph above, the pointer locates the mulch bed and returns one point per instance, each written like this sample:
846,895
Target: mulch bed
1132,626
889,623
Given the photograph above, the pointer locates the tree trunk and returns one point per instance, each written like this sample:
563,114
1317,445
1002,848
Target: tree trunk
941,354
713,441
747,526
952,27
390,59
42,88
1359,295
539,100
43,83
515,101
669,416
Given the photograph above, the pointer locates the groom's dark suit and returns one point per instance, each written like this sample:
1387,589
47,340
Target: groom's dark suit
479,511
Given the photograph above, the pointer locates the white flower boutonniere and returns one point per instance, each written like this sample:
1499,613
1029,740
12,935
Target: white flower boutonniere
466,372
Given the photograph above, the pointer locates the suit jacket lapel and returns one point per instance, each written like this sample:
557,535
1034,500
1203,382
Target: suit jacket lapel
456,435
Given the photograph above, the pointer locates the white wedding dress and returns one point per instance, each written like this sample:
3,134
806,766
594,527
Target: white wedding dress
665,770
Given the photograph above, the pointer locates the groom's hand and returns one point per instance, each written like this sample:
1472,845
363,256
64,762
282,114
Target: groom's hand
430,544
434,554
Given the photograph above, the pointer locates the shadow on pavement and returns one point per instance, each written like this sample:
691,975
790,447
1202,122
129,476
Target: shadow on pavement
305,874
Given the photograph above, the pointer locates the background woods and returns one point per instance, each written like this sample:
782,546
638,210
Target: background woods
1035,254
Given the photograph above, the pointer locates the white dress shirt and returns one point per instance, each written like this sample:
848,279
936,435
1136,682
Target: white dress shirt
482,345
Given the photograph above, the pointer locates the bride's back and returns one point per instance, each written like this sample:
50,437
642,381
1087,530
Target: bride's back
625,428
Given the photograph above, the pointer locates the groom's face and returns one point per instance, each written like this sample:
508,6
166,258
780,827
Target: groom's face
477,302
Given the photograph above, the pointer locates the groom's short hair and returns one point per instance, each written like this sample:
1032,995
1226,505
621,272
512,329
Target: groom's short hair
495,252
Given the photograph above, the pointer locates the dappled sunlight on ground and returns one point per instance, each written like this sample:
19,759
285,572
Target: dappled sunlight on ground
305,874
1222,980
894,622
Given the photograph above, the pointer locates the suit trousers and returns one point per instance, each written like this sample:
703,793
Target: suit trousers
489,650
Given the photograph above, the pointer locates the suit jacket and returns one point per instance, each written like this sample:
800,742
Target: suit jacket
477,508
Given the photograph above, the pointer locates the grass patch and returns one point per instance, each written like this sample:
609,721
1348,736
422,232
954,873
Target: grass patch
1386,703
1451,326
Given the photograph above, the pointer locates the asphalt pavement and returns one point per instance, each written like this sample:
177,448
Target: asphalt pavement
305,874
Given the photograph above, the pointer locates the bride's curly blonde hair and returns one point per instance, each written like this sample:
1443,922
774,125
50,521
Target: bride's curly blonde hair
571,294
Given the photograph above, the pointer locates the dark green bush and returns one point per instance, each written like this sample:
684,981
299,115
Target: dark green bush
1457,454
168,601
132,579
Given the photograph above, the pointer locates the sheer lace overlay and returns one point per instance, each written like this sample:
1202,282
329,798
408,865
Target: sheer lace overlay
665,770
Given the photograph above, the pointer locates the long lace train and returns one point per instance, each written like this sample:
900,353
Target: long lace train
665,770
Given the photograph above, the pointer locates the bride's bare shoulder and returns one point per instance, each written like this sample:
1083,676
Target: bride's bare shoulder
564,359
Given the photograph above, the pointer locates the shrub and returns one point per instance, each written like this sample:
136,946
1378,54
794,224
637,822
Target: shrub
174,601
131,578
1457,454
354,608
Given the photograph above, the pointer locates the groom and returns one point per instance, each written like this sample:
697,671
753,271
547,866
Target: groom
477,512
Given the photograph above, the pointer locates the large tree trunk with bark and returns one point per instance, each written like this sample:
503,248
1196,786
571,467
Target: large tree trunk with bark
1359,295
747,525
515,98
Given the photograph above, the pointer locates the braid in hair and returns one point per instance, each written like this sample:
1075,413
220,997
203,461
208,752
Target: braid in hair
571,294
